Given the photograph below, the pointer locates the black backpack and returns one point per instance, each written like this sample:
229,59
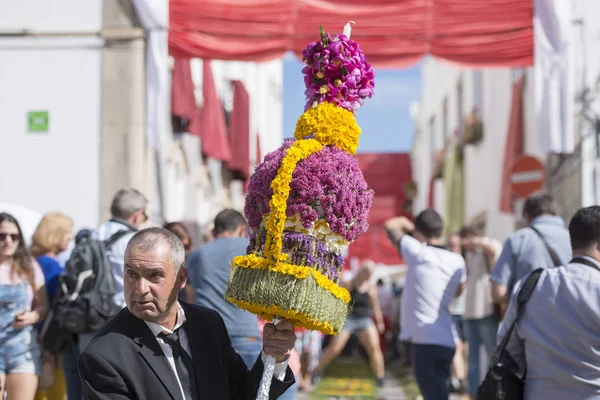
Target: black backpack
84,301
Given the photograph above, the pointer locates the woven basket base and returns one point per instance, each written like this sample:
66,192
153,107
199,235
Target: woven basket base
275,295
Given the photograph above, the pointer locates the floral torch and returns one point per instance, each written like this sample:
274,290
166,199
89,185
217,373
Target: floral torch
308,201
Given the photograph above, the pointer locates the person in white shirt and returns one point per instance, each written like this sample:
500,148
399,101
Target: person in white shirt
434,277
481,320
159,348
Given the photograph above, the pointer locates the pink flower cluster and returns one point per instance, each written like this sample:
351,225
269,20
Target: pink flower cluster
337,71
327,184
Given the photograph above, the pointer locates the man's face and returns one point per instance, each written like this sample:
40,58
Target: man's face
468,242
151,283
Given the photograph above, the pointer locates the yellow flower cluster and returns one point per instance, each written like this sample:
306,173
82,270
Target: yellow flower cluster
330,125
269,312
281,191
298,271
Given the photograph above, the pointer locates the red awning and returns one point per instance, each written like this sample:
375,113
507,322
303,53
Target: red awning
392,33
215,143
183,102
239,130
514,145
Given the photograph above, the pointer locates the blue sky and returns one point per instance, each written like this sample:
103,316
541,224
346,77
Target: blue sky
384,119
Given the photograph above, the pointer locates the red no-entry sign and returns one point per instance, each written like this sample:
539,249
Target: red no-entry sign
527,176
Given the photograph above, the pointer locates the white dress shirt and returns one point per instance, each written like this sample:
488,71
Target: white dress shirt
280,368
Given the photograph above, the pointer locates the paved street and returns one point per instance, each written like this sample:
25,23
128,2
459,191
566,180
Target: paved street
351,379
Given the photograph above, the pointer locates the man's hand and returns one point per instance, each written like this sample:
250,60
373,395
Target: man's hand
279,340
397,227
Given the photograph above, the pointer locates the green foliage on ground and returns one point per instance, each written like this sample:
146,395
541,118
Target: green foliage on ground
347,378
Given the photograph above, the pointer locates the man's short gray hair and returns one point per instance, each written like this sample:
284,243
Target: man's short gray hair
149,239
126,202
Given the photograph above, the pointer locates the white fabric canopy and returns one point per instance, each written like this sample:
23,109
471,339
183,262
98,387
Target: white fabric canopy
554,75
154,17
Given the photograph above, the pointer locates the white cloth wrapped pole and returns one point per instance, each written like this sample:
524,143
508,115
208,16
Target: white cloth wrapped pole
154,18
267,377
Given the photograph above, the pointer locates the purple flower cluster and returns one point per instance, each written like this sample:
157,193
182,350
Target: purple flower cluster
337,71
327,184
304,250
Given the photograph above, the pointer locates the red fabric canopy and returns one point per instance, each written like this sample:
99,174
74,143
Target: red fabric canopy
239,130
215,143
514,146
386,174
183,102
393,33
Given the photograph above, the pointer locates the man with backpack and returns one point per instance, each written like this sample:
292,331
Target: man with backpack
91,288
128,211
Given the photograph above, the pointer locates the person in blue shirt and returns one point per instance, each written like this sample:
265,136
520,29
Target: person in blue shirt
525,250
52,236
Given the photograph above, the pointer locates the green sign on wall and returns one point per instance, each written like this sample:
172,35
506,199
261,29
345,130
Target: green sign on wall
38,121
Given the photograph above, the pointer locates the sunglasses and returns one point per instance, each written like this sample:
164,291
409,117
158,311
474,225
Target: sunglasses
13,236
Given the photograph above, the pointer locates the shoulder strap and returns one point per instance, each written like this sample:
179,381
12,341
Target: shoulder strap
114,238
522,298
581,260
552,253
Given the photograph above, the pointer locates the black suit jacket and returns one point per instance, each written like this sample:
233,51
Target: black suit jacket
125,361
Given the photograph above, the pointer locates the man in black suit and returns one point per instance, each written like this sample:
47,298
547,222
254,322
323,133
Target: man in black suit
143,354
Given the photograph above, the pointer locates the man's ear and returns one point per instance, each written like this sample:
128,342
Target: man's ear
241,231
182,277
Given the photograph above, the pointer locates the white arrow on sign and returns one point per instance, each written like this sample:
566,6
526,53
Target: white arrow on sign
527,176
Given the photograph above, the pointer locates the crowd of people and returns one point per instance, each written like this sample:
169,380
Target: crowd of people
456,300
30,282
462,297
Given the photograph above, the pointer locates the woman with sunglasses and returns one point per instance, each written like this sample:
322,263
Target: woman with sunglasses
23,303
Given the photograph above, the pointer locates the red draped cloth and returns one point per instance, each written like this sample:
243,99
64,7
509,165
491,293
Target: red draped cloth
393,33
515,143
183,102
215,141
239,130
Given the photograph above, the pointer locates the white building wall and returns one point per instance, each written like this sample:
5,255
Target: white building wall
56,16
587,76
58,170
442,100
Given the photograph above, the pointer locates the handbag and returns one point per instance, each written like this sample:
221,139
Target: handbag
501,381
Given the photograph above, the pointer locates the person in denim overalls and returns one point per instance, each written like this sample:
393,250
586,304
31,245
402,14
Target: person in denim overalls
23,303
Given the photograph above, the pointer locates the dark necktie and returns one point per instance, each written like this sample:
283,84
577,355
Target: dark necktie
183,365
